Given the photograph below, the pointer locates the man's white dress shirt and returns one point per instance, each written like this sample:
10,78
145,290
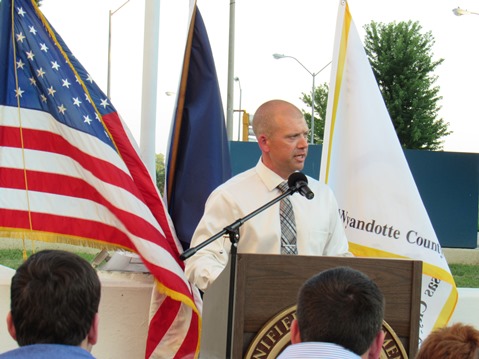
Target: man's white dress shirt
319,228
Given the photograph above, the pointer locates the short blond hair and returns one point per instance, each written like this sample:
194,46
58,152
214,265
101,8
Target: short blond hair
264,118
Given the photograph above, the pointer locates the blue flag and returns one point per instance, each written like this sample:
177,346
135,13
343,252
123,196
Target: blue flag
198,159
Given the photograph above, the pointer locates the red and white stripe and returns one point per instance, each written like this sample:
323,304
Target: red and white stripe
58,182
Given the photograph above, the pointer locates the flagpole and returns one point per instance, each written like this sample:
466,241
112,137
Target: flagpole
149,86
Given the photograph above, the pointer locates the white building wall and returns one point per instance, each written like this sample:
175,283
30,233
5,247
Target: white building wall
124,308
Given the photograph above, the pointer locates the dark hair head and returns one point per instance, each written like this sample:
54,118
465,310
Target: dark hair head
458,341
341,306
54,298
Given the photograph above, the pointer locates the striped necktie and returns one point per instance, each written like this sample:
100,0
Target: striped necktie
288,225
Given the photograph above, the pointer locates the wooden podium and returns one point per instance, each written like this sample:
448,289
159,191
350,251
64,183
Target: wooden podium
268,284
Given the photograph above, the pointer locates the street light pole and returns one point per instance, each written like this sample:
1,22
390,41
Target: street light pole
313,74
231,57
312,109
110,14
459,12
239,110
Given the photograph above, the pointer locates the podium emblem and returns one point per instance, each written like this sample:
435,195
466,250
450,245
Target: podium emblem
275,336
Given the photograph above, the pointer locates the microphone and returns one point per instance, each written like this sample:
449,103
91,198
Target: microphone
299,182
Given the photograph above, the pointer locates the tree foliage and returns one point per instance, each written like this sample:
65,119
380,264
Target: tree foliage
401,60
160,171
320,104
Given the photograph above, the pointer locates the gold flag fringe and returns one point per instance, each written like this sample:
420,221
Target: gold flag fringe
31,236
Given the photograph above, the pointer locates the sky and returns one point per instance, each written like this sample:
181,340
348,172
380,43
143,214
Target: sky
303,29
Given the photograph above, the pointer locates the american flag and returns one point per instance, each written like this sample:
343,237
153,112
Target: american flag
70,170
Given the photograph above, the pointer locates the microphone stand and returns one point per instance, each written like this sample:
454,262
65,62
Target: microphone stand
233,232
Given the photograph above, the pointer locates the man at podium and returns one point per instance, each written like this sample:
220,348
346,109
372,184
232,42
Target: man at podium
296,225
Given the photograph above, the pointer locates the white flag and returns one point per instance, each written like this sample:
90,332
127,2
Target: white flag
363,162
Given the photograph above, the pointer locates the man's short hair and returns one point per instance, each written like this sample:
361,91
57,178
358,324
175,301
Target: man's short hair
341,306
264,118
459,341
54,298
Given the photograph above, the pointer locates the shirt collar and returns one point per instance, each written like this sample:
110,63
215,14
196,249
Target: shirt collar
269,178
319,350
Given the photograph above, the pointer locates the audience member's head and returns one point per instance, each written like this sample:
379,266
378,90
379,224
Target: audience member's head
55,297
341,306
458,341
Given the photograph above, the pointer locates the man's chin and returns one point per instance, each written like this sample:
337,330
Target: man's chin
299,166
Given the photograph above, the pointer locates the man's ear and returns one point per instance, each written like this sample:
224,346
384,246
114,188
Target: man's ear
11,327
295,335
263,143
93,333
376,346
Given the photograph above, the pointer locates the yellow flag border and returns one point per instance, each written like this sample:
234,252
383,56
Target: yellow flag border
339,78
428,269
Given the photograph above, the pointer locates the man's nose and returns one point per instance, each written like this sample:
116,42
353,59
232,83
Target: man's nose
303,142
